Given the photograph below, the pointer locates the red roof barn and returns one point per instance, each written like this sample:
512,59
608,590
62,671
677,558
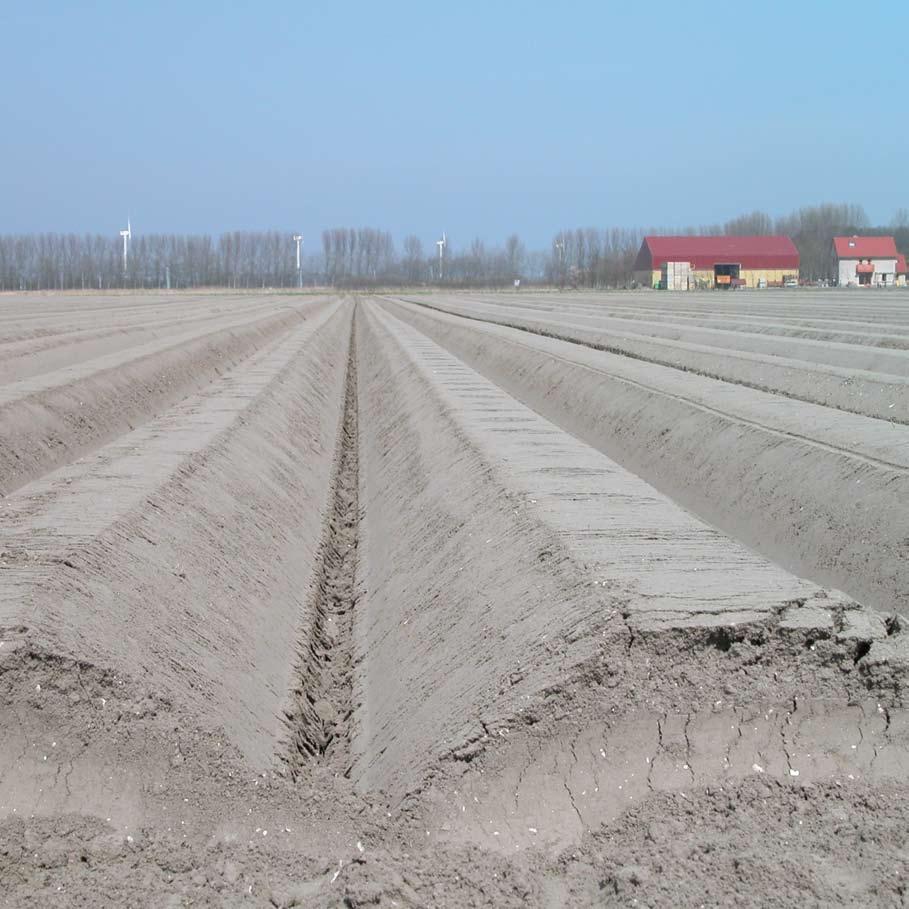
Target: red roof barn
766,258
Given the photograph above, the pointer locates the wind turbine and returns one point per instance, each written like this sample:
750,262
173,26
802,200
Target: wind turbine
560,246
441,244
298,239
127,236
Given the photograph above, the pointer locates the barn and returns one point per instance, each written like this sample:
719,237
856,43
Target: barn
866,261
692,262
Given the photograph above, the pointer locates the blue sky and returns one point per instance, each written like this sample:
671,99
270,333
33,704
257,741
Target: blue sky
477,118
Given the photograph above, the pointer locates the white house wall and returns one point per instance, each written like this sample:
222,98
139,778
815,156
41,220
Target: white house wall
884,271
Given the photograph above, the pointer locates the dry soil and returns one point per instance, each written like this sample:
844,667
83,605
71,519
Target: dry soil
454,600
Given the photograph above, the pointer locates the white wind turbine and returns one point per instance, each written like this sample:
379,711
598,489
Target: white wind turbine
127,236
298,239
441,244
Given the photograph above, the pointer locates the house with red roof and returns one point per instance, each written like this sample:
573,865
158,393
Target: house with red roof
722,262
902,277
866,261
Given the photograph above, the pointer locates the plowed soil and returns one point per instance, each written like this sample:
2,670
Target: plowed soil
454,600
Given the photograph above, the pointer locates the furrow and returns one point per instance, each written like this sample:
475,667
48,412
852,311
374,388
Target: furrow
859,390
319,716
176,556
516,574
55,419
815,490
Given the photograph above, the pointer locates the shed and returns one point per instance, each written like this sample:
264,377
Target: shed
720,261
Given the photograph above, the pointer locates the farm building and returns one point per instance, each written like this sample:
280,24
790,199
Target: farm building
716,262
902,277
866,261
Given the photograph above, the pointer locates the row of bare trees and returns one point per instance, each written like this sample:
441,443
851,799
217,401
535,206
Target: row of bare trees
591,257
67,261
358,255
349,257
586,257
478,265
605,258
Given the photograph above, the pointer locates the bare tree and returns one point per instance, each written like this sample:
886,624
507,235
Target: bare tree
414,259
515,254
813,229
755,224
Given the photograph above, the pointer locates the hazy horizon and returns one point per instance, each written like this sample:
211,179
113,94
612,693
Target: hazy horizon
480,121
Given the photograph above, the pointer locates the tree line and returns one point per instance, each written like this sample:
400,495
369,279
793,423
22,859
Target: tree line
360,257
598,258
70,261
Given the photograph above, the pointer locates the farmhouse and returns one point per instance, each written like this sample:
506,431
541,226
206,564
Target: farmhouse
866,261
686,263
901,274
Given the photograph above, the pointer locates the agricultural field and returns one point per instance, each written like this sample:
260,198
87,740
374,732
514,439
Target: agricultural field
539,599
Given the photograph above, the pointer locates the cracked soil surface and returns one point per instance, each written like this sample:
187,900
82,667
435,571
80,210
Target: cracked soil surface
513,600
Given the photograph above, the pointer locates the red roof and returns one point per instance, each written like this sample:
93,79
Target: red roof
705,252
900,264
865,247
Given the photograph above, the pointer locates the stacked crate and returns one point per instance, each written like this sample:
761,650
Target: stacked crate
676,276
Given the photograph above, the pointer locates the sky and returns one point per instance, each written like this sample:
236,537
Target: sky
478,118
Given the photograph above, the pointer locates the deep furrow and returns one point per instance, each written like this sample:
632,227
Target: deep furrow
829,353
84,407
859,391
322,703
376,618
180,551
834,479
